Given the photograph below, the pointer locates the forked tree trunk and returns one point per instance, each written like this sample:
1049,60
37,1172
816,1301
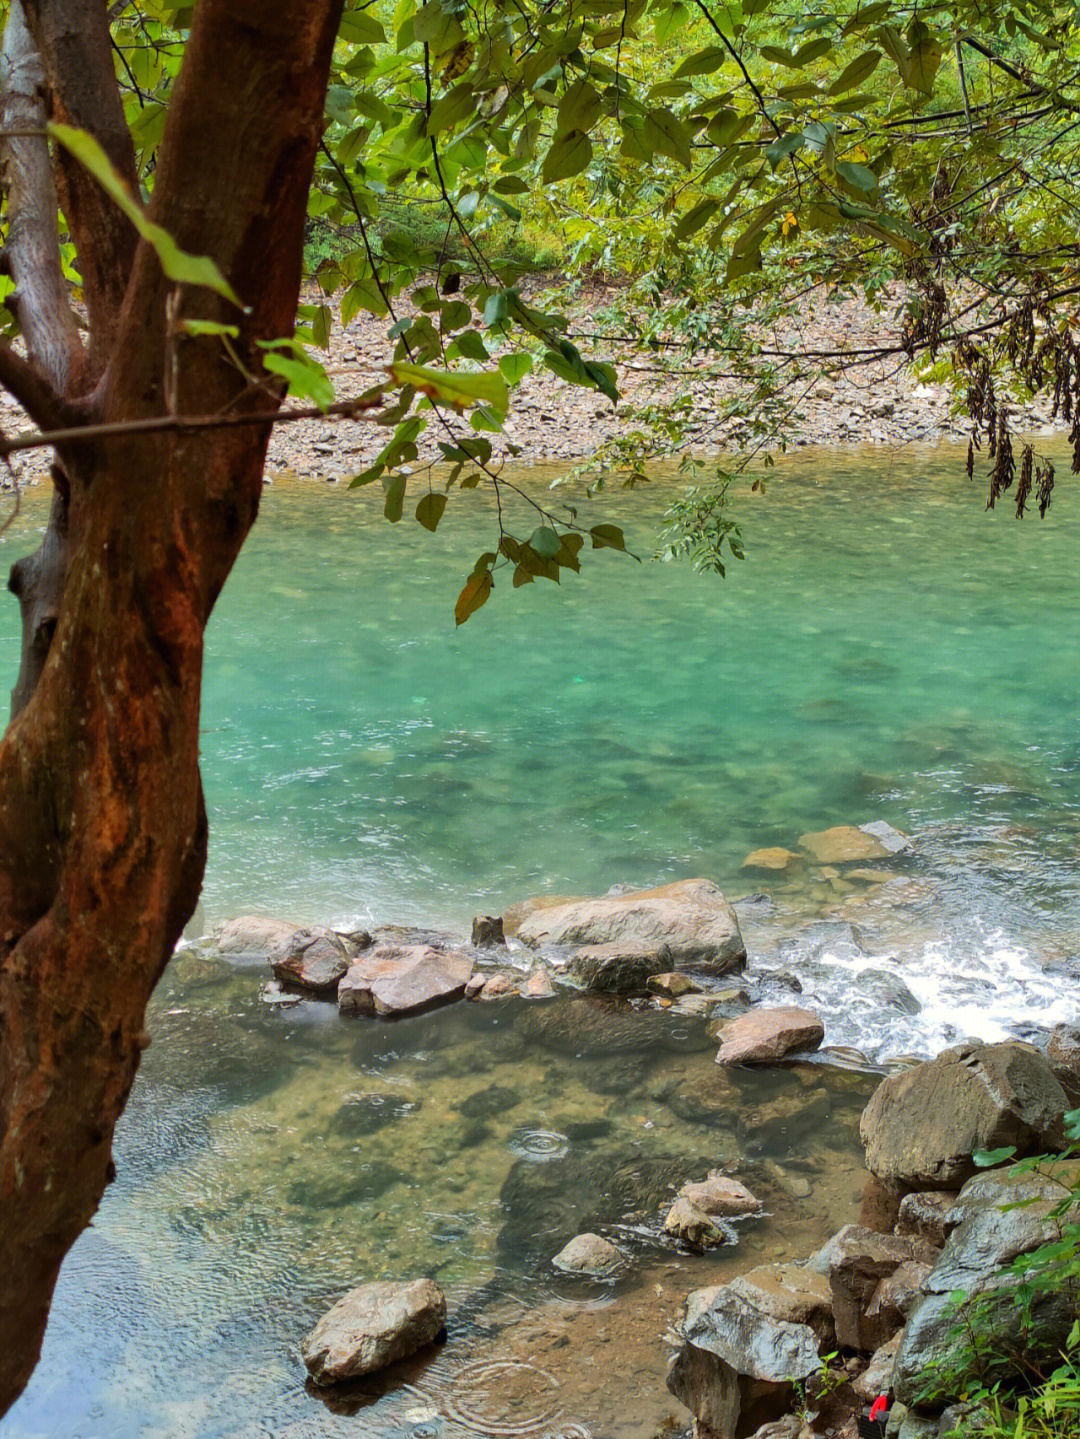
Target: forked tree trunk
102,825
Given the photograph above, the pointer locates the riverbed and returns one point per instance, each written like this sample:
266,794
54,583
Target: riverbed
886,652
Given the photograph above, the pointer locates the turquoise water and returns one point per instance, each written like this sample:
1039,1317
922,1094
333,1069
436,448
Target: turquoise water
885,652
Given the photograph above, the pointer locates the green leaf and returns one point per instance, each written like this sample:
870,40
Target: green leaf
787,145
178,265
457,105
669,20
459,391
515,367
477,589
395,498
607,537
569,154
696,219
579,108
703,62
545,542
663,131
307,380
434,27
360,28
987,1158
853,74
858,176
430,511
199,328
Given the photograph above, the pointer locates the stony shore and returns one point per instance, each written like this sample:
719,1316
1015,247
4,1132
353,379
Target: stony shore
881,402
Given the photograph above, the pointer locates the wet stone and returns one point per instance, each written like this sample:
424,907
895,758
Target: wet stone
588,1254
373,1326
403,979
487,931
617,968
764,1036
672,985
843,844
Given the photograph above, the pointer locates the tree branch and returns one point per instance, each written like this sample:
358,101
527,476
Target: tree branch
32,391
32,254
76,51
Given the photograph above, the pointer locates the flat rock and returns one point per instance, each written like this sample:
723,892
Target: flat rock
403,979
774,860
843,844
690,923
252,937
373,1326
763,1036
719,1194
312,959
922,1126
588,1254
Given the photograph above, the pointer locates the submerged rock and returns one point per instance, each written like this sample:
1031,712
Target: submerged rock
689,924
771,861
922,1126
373,1326
588,1254
403,979
843,844
764,1036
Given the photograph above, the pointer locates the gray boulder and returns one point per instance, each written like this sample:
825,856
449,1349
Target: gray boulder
689,923
1063,1052
1000,1216
767,1324
251,938
921,1126
373,1326
403,979
621,968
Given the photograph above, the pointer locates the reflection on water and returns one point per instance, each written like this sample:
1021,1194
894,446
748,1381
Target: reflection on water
308,1153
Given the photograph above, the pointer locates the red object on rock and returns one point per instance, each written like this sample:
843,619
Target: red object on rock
879,1406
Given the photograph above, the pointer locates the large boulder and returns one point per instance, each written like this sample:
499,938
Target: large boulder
860,1266
688,924
403,979
764,1036
947,1341
371,1327
1063,1052
922,1126
747,1343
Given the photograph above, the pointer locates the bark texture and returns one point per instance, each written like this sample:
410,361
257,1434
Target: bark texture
102,824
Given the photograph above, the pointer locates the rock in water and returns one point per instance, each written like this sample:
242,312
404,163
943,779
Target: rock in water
690,923
764,1036
771,861
617,968
843,844
487,931
313,959
371,1327
251,937
922,1126
403,979
719,1195
588,1254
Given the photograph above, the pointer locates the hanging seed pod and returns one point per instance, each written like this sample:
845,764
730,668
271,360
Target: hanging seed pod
971,460
1023,484
1046,484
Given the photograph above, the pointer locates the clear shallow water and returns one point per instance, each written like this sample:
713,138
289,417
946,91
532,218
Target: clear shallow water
886,652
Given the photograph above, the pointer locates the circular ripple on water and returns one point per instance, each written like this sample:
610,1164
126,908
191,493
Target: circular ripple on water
505,1397
569,1431
539,1145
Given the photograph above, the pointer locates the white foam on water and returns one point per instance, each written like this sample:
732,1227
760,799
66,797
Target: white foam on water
979,986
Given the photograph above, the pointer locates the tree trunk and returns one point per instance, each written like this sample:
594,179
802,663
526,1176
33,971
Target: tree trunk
102,825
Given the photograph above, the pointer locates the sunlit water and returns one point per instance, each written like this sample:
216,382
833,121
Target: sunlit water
885,652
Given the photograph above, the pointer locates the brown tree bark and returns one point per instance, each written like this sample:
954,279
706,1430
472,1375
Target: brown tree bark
102,825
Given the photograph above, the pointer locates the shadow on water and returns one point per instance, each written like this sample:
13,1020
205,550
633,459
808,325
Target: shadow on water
307,1153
